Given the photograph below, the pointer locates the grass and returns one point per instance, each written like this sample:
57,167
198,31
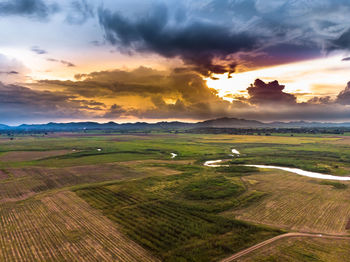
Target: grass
302,249
297,203
175,208
212,188
160,214
336,185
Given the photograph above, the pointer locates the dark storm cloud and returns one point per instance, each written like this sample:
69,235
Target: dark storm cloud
269,93
22,103
216,36
197,43
230,35
33,8
38,50
342,42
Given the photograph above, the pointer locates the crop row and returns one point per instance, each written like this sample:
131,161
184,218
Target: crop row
62,228
169,227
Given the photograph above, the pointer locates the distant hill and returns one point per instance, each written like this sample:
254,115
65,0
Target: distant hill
76,126
224,122
231,122
4,127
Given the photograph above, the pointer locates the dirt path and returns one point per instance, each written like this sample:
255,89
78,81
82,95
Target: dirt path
266,242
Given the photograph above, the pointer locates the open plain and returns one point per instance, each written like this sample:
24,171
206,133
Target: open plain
127,198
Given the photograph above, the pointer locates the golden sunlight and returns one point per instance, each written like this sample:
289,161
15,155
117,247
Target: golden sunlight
302,79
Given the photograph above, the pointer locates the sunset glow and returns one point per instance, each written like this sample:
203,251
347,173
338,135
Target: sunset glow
303,79
158,60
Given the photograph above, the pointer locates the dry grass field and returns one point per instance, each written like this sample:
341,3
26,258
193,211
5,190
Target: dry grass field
297,203
301,249
20,183
62,227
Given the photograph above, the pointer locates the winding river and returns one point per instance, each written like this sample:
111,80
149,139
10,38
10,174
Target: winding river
215,163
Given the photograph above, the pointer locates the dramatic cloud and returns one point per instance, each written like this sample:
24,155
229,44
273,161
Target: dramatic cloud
342,42
197,43
191,41
32,8
344,96
220,36
269,93
147,93
18,103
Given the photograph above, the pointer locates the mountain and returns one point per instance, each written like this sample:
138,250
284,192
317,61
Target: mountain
76,126
231,123
4,127
224,122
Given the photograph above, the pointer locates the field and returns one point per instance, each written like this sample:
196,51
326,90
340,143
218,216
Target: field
298,203
62,227
65,197
177,216
302,249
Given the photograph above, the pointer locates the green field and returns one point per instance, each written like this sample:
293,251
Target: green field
130,191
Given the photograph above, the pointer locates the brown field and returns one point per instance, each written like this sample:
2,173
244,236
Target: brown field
31,155
20,183
28,181
296,203
62,227
301,249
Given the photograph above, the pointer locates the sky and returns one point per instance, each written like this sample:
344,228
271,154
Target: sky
166,60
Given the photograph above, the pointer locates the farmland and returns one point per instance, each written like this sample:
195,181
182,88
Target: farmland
176,216
298,203
62,227
122,197
302,249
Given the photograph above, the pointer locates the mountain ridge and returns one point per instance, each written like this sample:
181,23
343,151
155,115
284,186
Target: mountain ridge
224,122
